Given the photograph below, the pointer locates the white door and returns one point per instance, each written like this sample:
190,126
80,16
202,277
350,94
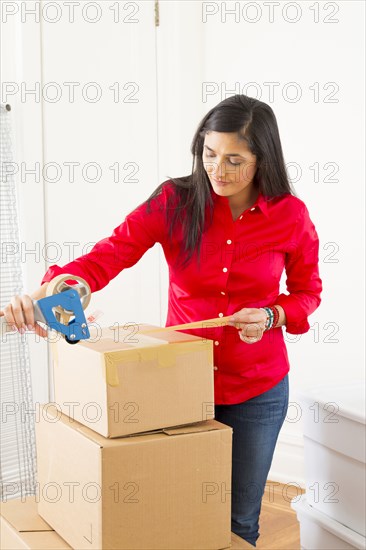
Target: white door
105,121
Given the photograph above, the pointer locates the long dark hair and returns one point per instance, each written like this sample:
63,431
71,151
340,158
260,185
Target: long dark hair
256,124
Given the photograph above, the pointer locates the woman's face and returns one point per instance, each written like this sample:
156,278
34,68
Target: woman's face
229,164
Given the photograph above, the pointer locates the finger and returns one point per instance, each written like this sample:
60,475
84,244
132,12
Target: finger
9,317
253,330
254,327
255,316
237,317
238,325
248,339
40,331
28,311
16,305
251,327
248,316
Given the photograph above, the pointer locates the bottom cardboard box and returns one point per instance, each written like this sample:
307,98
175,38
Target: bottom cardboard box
22,528
155,491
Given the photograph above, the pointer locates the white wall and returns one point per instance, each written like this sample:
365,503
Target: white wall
316,61
183,68
225,53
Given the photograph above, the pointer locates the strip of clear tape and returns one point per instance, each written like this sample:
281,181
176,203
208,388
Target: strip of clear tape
94,316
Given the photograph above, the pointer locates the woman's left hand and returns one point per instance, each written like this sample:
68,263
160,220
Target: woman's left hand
251,322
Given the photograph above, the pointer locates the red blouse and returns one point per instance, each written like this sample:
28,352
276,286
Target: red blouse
241,266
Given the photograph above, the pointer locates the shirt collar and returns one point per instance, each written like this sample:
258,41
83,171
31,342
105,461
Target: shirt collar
261,202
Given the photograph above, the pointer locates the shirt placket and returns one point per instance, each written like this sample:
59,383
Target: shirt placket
224,265
226,260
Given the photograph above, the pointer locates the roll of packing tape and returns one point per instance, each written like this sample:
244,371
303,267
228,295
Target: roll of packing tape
58,284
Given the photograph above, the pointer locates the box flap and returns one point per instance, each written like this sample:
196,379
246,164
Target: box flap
204,426
46,540
23,516
169,335
201,426
106,339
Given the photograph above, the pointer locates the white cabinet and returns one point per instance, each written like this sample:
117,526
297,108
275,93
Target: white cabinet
334,446
320,532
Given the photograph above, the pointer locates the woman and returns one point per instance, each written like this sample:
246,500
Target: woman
228,231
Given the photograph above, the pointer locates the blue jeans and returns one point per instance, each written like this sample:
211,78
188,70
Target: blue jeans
256,424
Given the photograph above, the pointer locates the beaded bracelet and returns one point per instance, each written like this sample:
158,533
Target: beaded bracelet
276,316
272,317
269,320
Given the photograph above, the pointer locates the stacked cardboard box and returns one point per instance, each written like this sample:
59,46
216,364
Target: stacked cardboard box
21,527
129,455
127,381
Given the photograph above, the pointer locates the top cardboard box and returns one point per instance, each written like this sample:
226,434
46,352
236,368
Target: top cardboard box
122,382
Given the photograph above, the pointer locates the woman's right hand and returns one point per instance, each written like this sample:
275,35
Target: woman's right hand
19,313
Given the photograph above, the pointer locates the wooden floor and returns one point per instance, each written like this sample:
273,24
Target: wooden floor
279,528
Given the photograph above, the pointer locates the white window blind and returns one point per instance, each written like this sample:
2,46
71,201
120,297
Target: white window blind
17,437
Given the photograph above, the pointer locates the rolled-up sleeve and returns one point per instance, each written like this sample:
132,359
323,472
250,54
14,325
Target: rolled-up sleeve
139,231
302,275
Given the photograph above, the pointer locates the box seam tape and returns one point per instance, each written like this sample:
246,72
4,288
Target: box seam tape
165,356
